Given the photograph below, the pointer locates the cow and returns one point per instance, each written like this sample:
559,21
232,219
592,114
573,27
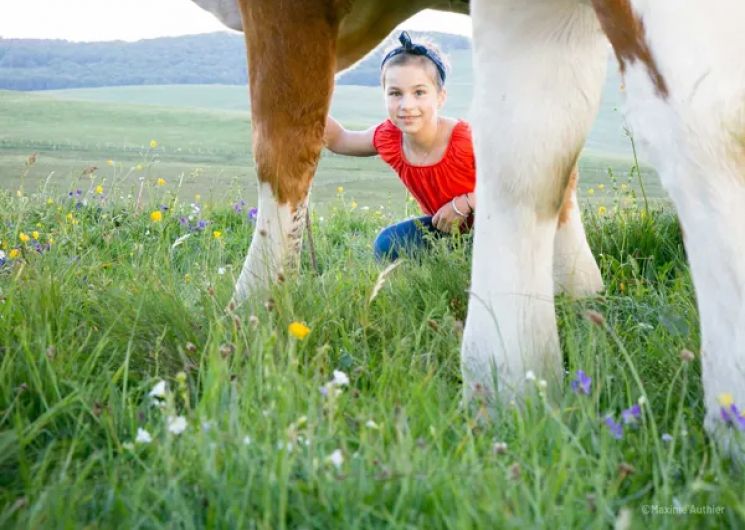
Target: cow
539,67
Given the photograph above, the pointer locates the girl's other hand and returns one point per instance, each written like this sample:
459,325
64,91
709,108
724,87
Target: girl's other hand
445,219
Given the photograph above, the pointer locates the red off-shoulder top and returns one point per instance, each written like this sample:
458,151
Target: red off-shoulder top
431,185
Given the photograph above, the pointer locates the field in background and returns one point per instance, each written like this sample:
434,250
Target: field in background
203,135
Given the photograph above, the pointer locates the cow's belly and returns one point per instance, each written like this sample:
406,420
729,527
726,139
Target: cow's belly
364,23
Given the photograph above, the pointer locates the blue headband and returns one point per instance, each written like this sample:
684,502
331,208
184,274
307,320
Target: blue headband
415,49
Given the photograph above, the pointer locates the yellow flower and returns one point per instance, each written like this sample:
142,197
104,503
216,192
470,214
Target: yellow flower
14,253
23,237
197,197
35,235
187,278
354,205
298,330
340,189
51,241
726,400
156,216
591,191
161,181
70,218
153,144
110,162
622,287
99,189
217,234
50,201
139,167
624,187
19,193
601,210
601,186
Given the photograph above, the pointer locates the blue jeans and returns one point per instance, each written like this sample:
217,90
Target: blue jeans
405,238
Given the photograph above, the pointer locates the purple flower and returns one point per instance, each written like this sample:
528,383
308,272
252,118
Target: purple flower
252,214
667,438
183,221
582,383
616,429
238,207
631,414
201,225
163,208
732,416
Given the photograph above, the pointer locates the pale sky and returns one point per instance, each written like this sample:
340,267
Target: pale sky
98,20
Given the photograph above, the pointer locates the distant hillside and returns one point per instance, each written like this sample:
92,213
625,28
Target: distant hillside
214,58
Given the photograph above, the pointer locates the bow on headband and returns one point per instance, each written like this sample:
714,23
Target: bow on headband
415,49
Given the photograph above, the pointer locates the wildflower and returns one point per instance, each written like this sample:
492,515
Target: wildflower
530,375
370,424
153,144
667,438
642,400
176,424
14,253
340,189
201,225
50,201
161,181
143,437
591,191
631,414
156,216
340,378
35,235
253,213
687,355
542,384
3,258
726,400
499,448
582,383
298,330
159,390
99,189
601,210
601,186
624,187
247,440
616,429
221,270
109,162
353,205
217,234
197,197
731,415
336,458
238,206
139,167
23,237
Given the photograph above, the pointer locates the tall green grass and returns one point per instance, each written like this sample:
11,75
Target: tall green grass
89,326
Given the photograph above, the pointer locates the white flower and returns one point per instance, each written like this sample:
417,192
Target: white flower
159,390
642,400
542,384
529,375
129,446
221,271
247,440
340,378
207,425
143,437
2,253
336,458
370,424
286,446
176,424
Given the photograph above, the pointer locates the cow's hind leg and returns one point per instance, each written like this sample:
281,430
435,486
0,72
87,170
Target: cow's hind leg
685,85
291,58
538,83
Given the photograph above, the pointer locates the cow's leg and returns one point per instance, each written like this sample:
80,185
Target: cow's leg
576,272
685,82
537,89
291,58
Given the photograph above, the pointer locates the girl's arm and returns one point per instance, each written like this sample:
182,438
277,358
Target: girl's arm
344,142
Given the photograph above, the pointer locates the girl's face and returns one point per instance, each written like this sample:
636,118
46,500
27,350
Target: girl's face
412,97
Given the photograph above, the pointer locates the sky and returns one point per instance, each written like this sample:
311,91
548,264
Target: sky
131,20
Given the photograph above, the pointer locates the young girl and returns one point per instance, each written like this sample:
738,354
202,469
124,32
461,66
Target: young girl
432,154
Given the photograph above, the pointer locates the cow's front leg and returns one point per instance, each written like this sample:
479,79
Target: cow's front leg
291,59
538,85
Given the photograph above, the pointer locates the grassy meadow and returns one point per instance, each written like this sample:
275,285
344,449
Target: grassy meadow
129,397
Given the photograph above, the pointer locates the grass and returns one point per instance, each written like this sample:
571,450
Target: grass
90,325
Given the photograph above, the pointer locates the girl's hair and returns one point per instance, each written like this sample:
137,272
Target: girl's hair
425,54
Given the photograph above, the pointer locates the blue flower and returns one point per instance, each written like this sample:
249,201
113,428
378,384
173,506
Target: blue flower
582,383
616,429
732,416
252,214
631,414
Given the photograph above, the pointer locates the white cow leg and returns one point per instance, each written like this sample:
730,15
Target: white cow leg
275,246
537,89
576,273
692,128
